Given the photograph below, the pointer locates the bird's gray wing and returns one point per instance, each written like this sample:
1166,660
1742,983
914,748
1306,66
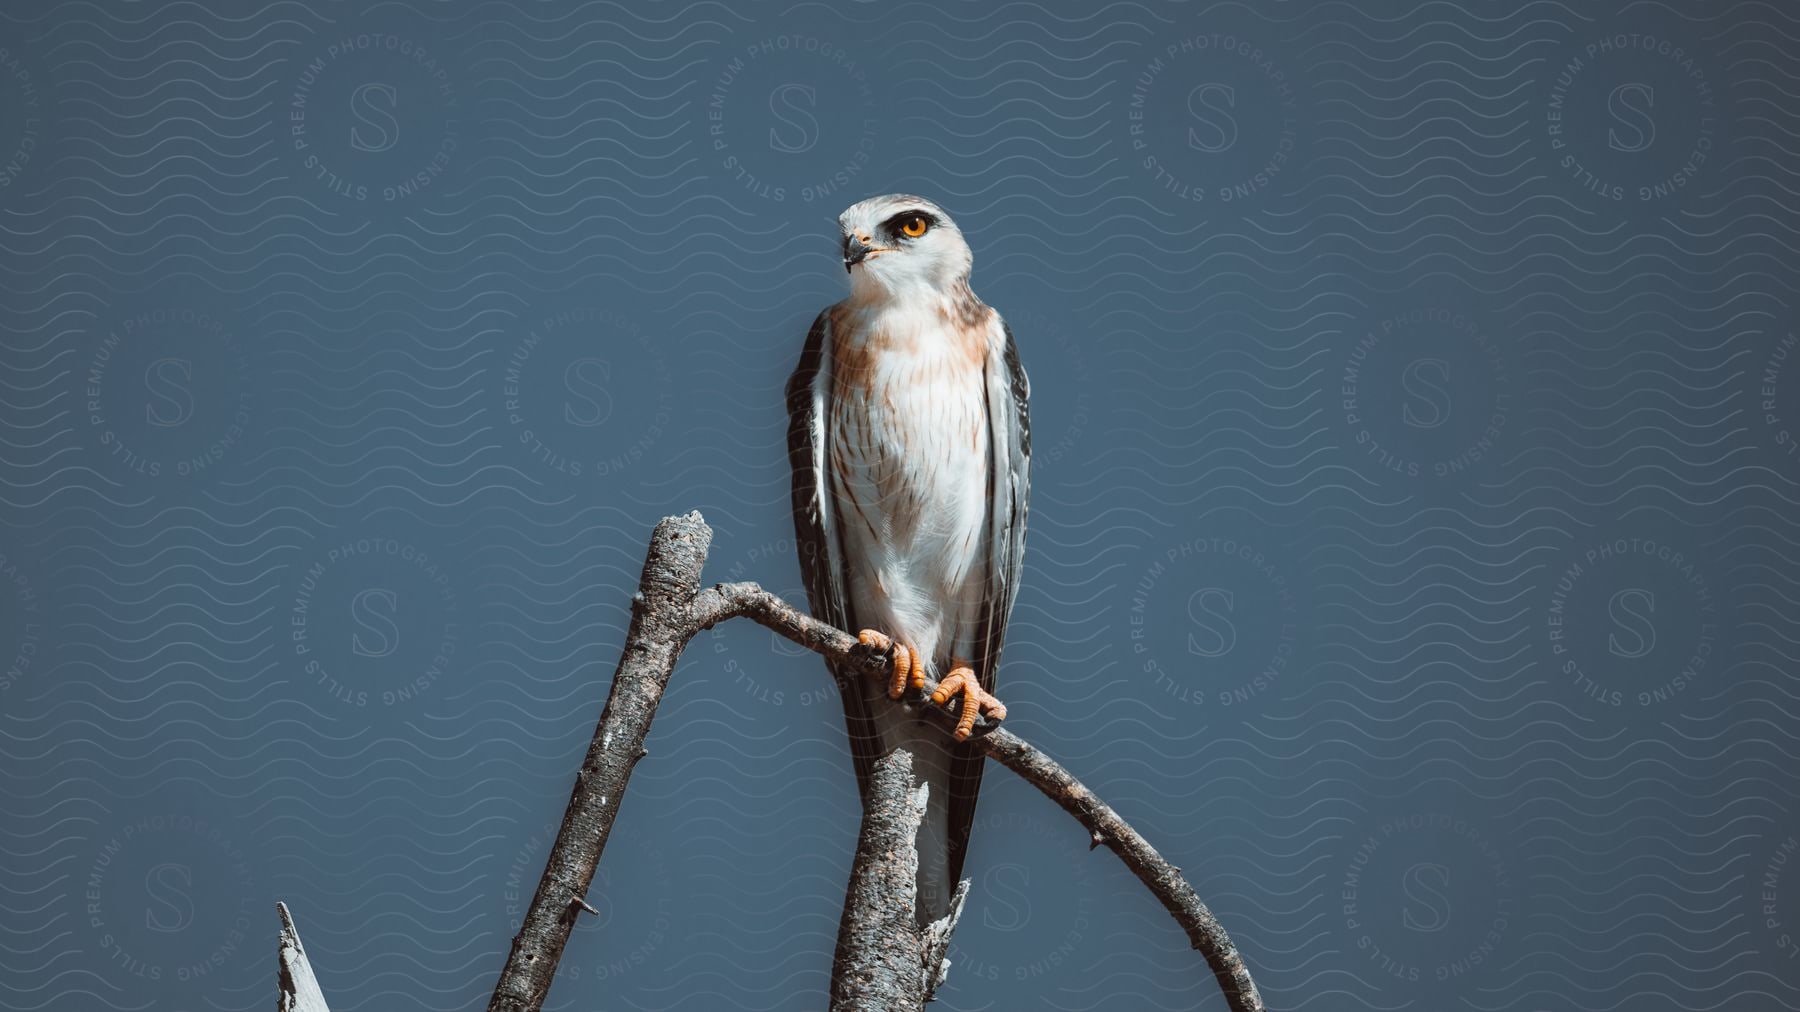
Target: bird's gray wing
1009,425
816,531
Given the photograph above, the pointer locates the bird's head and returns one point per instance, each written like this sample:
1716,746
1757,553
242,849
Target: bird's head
898,244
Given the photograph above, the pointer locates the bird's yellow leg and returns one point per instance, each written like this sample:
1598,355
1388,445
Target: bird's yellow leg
906,673
975,699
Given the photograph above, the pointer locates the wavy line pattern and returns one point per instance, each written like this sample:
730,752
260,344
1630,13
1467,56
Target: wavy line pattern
1413,552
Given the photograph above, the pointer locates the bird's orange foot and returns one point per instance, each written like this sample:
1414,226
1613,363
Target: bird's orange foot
906,673
975,699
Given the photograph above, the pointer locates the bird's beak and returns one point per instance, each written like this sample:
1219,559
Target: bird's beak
854,251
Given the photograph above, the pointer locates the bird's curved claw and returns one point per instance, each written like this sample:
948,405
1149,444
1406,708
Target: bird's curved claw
975,700
906,674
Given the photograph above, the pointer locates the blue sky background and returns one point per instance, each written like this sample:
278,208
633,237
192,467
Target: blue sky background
1413,538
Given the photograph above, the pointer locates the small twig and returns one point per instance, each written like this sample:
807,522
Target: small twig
936,964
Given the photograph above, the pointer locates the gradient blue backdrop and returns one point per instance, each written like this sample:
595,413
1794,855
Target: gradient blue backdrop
1413,544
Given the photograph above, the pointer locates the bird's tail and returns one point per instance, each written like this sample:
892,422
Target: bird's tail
877,726
931,764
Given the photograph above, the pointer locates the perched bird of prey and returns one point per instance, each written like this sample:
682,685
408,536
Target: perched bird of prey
910,446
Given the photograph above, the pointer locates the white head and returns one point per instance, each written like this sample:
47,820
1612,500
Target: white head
901,246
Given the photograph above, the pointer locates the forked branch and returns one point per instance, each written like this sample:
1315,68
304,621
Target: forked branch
1105,827
670,609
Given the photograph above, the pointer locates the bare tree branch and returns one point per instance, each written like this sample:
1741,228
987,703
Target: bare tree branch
879,959
659,630
667,611
747,600
1164,880
299,988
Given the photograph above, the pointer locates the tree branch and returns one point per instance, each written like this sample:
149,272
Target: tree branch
667,611
659,630
747,600
294,976
883,960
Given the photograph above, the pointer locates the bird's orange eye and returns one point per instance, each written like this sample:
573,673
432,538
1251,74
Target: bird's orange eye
913,227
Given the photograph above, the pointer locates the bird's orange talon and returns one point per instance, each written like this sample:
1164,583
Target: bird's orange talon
905,672
975,699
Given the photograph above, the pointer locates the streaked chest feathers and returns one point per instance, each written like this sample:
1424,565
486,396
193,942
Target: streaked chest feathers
910,447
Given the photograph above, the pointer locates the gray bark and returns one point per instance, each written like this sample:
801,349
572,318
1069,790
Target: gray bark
880,951
659,630
1105,827
299,988
667,611
884,960
1164,880
937,941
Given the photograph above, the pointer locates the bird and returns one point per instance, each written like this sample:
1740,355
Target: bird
910,445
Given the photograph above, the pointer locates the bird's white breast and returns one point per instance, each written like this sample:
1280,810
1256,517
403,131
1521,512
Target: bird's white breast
910,450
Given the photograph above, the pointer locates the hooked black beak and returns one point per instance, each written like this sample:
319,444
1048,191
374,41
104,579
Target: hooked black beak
854,251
